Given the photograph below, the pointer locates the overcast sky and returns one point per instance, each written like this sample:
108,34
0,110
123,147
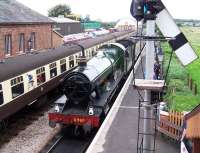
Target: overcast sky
112,10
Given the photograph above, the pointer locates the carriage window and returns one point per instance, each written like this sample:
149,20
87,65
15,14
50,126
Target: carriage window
76,59
1,95
93,52
63,65
87,54
41,77
90,54
17,86
53,70
71,61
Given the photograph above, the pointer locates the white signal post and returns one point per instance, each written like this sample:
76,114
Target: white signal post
149,73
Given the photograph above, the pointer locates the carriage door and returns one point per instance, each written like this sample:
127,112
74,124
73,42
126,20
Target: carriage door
1,95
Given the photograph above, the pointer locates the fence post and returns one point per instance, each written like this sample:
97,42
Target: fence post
195,89
191,84
188,80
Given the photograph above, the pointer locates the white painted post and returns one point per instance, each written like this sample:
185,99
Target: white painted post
150,50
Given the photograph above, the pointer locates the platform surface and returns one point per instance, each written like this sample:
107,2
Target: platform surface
118,133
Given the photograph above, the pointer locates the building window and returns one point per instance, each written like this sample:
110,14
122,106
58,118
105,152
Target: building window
17,86
32,41
21,42
1,95
53,70
8,44
63,67
71,61
41,77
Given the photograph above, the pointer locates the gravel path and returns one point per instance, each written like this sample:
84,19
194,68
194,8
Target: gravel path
32,139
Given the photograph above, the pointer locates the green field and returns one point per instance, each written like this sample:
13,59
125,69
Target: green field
179,96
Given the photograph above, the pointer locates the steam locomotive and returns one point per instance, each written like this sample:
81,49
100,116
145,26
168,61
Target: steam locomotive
88,90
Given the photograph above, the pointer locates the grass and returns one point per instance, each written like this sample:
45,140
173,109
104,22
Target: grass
179,96
193,35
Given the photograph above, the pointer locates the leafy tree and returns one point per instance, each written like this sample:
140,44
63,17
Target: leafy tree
61,9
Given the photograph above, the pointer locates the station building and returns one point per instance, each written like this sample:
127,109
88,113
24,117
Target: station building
126,24
23,30
66,26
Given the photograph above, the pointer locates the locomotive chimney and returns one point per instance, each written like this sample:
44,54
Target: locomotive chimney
82,61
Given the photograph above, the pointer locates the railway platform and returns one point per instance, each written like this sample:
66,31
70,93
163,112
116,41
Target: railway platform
118,133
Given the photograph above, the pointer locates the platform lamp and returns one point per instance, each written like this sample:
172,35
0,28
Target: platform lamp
160,55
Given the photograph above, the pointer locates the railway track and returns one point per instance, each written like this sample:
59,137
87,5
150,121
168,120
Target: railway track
64,143
20,120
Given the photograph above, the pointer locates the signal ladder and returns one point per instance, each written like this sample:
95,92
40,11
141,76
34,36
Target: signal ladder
155,87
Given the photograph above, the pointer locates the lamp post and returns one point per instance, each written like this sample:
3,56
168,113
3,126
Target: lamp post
160,56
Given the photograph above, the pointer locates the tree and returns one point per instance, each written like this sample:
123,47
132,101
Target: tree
61,9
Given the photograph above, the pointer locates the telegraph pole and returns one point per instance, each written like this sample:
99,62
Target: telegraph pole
148,112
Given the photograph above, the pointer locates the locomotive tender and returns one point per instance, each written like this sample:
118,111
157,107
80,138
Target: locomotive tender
89,89
26,78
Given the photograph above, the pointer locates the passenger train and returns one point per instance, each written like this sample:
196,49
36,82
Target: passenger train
25,79
88,90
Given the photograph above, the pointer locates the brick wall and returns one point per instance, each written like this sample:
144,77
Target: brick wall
43,35
57,39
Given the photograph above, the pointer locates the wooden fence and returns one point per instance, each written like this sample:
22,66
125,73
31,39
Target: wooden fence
170,124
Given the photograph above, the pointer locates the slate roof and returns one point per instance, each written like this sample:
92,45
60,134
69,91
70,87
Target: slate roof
191,114
13,12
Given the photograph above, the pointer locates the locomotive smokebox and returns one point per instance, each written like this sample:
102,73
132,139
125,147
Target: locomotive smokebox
77,87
